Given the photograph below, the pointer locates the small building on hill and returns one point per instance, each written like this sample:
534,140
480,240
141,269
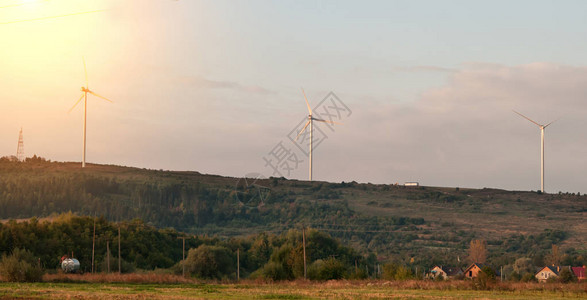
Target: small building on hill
445,272
579,272
547,272
473,270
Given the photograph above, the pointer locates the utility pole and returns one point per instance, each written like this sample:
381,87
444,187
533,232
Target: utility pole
501,275
108,256
119,262
304,245
183,256
93,244
238,267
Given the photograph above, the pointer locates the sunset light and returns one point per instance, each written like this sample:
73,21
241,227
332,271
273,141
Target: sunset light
305,149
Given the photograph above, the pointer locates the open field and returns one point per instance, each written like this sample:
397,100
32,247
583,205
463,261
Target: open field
173,287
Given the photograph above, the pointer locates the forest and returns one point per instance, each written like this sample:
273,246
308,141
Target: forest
267,256
379,222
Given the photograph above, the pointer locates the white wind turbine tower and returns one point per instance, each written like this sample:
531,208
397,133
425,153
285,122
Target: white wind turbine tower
84,96
542,127
310,122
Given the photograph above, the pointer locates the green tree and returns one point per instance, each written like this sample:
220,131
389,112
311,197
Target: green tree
566,276
489,272
213,262
528,277
327,269
20,266
523,265
554,257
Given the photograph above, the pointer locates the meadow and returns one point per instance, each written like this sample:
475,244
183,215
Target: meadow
159,286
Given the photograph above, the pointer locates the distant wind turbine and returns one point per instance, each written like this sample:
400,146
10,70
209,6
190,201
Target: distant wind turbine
542,127
84,96
310,122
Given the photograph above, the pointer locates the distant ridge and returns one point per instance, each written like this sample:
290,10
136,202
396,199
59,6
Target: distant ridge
387,219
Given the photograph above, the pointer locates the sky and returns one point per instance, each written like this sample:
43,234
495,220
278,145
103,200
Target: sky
215,87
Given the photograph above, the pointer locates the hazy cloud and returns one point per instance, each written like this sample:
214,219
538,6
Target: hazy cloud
466,134
423,69
201,82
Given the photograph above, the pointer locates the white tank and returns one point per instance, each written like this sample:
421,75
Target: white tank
70,265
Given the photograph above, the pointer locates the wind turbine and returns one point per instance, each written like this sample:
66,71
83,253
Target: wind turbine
542,127
84,96
310,122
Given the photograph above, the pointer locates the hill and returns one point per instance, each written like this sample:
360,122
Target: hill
388,220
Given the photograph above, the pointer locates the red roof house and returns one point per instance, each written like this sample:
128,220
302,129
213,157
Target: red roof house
579,272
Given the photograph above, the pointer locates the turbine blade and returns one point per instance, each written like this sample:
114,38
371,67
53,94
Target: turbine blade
326,121
307,123
99,96
85,71
307,103
551,122
76,103
527,118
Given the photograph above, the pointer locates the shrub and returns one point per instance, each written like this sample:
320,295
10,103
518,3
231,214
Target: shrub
389,270
327,269
274,271
523,265
566,276
439,278
20,266
528,277
481,282
515,276
489,272
392,271
358,274
209,262
125,266
403,273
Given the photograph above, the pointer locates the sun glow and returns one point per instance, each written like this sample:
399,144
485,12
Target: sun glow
43,42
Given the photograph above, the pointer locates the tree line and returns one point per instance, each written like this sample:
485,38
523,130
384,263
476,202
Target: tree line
209,205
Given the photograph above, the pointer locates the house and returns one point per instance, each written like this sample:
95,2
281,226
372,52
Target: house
579,272
474,269
413,183
445,272
547,272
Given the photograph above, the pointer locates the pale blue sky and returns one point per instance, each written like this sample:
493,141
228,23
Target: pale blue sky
213,86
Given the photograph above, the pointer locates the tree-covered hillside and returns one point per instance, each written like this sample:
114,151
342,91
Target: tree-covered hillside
432,224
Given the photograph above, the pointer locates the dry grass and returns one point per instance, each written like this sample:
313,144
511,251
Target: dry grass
118,278
153,278
446,285
161,286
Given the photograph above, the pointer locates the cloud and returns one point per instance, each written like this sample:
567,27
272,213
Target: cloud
201,82
465,133
423,69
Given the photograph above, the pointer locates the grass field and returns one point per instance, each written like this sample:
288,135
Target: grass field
160,287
